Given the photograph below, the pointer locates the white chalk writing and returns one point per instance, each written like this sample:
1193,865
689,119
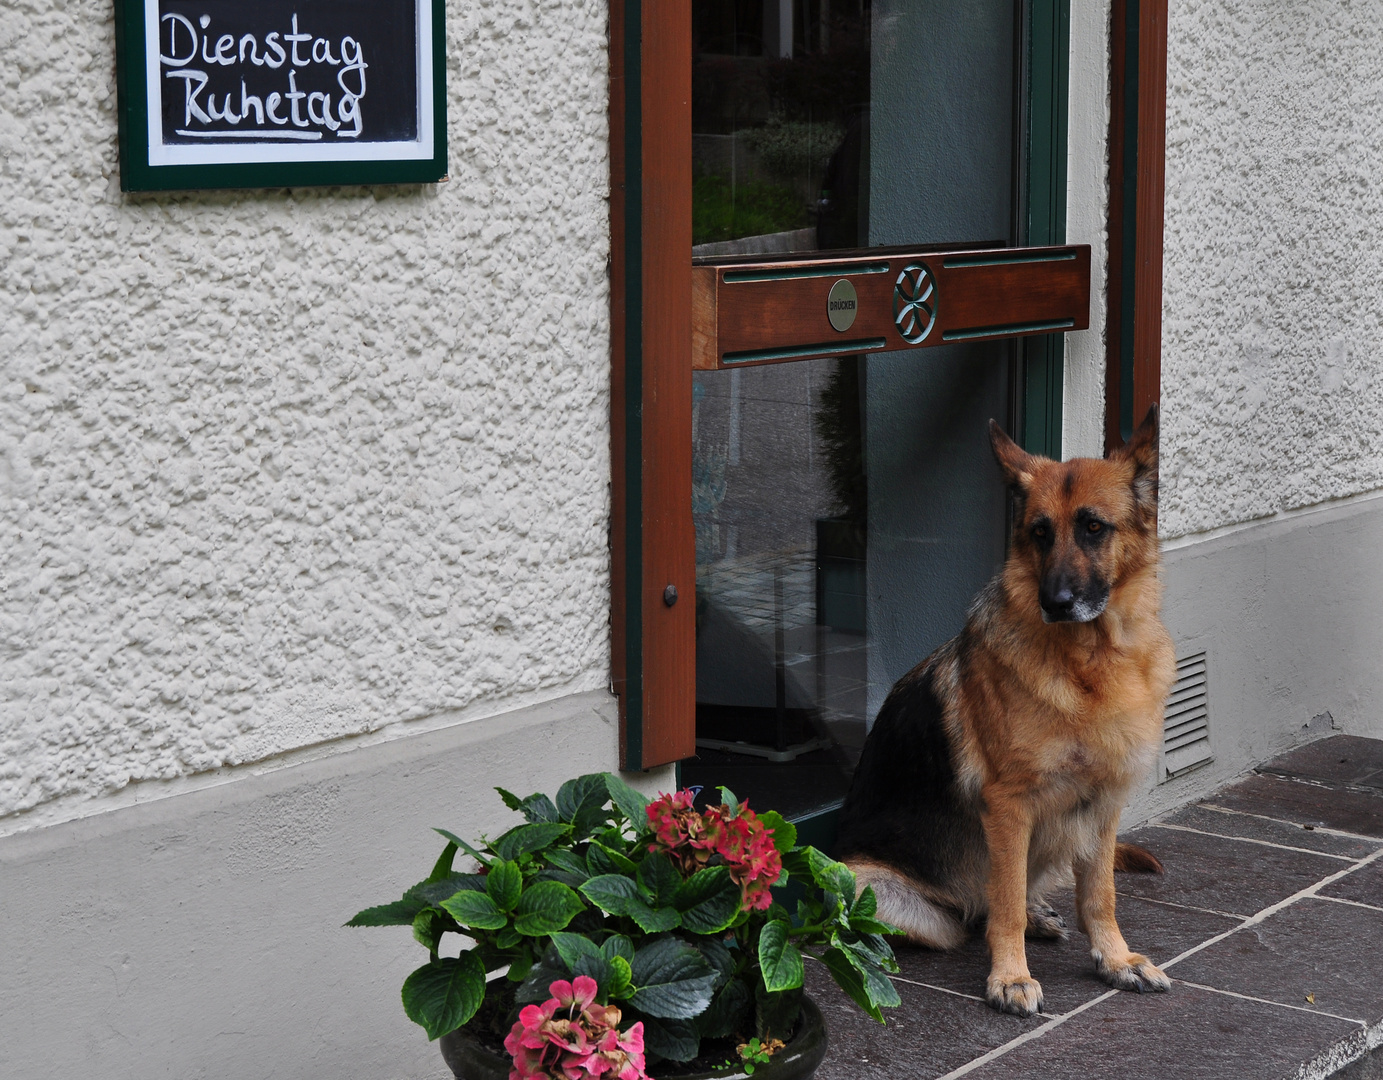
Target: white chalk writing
190,52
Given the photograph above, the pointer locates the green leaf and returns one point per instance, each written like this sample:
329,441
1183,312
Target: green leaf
796,863
526,839
872,926
484,860
870,947
603,860
582,802
535,808
546,908
671,979
428,928
611,892
676,1040
504,884
653,920
628,801
732,804
617,945
866,905
574,880
521,965
881,990
832,876
709,900
727,1012
717,955
621,980
442,867
577,794
508,938
540,977
475,910
849,979
569,861
399,913
659,879
780,961
784,831
619,895
775,1014
571,947
443,995
432,893
869,953
573,793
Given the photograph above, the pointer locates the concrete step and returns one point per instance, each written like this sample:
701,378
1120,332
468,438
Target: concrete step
1269,920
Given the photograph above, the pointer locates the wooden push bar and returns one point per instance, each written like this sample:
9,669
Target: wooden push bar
747,312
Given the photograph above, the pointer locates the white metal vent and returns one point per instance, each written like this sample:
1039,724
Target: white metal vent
1186,721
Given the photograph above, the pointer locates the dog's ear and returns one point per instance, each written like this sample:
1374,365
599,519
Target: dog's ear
1141,451
1017,463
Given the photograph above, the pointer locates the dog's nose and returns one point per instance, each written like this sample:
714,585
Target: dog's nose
1059,603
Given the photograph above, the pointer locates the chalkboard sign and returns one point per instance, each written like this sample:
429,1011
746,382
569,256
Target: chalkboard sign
270,93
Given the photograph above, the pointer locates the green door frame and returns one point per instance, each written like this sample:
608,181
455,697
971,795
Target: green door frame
1046,45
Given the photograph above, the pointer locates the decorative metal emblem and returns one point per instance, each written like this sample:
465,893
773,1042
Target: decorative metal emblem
914,303
841,305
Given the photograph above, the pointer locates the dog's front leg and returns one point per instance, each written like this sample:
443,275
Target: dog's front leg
1008,831
1122,969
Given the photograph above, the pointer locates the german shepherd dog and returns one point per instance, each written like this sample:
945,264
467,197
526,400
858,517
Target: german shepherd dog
1002,761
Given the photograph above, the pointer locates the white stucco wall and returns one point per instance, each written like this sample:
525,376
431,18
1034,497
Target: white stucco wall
1273,259
282,467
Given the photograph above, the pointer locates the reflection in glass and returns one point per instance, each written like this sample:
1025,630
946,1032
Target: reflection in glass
780,96
846,510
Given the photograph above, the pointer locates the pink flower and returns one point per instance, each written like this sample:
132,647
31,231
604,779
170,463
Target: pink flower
739,839
571,1037
581,995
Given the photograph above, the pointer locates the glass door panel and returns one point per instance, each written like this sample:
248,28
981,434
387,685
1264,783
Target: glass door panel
846,507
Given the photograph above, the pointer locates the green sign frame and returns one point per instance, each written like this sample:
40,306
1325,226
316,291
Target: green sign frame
139,173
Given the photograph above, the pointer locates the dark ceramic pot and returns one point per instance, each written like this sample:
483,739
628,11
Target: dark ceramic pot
469,1060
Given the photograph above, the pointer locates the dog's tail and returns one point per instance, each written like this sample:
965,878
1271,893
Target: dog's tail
1132,859
902,904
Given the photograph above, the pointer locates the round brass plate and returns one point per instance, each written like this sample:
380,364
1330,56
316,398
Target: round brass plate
841,305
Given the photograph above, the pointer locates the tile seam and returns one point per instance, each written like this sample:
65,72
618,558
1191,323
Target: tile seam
1351,903
1183,907
1273,909
943,989
1277,1004
1026,1037
1376,840
1319,782
1252,840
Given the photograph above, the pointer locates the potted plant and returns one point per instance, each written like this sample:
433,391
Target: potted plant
614,934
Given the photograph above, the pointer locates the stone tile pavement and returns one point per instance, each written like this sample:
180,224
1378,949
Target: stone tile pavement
1269,920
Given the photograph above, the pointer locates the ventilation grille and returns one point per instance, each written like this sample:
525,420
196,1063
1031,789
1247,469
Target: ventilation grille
1186,722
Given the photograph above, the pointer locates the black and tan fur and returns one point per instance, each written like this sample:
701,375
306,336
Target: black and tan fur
1001,762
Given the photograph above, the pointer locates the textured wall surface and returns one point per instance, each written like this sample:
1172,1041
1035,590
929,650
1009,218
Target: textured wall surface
280,467
1273,260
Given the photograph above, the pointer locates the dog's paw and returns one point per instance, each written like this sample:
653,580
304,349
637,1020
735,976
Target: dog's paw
1021,996
1045,923
1133,972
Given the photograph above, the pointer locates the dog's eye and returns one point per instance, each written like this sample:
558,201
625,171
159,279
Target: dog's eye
1039,531
1095,526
